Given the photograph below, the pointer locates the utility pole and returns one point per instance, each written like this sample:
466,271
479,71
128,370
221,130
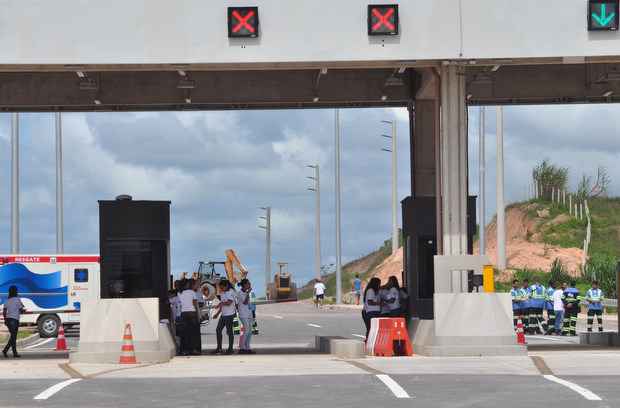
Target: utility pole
481,170
15,183
60,240
267,228
317,229
501,216
338,225
395,237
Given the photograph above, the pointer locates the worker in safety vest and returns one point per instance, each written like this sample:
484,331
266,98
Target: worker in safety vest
571,307
549,307
516,293
594,298
538,298
527,311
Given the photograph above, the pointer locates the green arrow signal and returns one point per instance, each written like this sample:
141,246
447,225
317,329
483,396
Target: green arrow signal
603,19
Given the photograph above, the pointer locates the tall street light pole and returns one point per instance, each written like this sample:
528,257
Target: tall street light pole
15,183
267,228
395,238
481,181
338,225
60,245
501,216
317,230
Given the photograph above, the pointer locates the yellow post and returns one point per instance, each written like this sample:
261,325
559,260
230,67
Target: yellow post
488,280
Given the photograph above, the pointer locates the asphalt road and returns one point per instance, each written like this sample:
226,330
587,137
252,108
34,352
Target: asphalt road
355,391
294,326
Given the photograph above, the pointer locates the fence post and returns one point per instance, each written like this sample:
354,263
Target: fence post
564,197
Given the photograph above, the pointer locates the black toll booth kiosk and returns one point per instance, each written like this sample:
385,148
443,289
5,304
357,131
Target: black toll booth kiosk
134,242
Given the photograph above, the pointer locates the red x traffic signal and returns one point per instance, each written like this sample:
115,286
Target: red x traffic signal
383,19
242,22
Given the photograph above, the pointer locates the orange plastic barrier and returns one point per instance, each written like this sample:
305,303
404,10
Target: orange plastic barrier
389,337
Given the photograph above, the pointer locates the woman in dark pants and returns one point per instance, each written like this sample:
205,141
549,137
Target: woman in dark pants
189,317
227,309
372,303
13,307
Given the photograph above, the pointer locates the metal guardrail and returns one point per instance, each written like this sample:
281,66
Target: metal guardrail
610,302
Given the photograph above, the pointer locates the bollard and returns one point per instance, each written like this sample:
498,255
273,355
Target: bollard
488,279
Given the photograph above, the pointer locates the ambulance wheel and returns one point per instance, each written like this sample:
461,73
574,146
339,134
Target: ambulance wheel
48,326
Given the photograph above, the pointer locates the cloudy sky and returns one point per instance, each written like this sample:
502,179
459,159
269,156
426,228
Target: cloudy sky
217,168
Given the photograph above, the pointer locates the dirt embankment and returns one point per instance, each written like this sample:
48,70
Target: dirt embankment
523,246
391,266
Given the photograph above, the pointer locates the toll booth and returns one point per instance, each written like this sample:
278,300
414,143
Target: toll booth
135,249
420,246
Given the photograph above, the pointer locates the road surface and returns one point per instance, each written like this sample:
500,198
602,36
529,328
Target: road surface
570,379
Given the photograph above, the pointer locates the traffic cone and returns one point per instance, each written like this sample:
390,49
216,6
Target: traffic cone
128,354
61,342
520,333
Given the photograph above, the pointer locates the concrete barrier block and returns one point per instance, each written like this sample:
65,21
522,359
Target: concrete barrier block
323,343
102,325
348,348
604,339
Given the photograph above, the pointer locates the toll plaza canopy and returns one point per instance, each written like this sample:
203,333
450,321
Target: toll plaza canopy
196,54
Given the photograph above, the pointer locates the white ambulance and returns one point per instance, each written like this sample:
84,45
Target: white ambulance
52,287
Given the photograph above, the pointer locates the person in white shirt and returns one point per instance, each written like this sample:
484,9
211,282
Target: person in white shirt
246,316
558,309
372,303
190,336
392,297
319,293
13,308
227,309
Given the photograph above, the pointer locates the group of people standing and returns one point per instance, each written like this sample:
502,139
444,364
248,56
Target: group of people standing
388,300
562,304
186,303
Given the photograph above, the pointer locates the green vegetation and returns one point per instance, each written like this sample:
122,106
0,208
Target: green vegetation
550,177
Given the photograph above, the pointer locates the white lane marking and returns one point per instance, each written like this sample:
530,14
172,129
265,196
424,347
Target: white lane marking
358,335
278,317
314,325
551,338
55,388
42,342
396,389
587,394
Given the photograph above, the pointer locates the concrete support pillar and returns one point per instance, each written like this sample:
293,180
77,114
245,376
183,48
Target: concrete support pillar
453,165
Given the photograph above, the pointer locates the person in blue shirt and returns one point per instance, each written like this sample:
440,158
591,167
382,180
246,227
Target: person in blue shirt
538,298
594,298
527,308
517,299
550,324
571,306
357,288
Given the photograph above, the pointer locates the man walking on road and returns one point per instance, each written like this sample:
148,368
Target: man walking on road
319,293
356,288
594,298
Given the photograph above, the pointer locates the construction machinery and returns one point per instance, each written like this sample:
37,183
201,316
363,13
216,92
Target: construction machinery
282,288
